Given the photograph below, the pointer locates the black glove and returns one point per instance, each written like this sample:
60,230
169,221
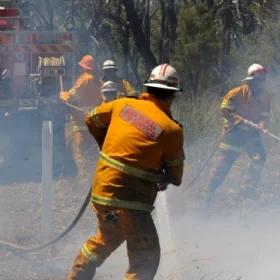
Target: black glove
163,181
161,187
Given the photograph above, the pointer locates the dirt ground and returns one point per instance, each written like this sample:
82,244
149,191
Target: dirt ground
231,244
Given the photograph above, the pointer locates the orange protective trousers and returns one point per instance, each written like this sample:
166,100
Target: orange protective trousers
114,227
85,152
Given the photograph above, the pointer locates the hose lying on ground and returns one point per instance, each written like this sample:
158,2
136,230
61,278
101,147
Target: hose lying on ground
15,247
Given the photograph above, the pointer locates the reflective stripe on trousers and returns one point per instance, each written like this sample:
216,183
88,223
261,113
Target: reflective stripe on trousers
136,228
79,128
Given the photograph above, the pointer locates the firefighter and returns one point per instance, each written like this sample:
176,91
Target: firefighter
85,93
109,91
141,152
248,102
125,89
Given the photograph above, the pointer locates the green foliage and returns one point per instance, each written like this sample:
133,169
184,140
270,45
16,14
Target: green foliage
197,49
210,51
200,117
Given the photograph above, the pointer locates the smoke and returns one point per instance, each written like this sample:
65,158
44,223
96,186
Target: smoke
235,241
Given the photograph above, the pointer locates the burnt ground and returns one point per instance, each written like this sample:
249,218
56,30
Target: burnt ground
237,241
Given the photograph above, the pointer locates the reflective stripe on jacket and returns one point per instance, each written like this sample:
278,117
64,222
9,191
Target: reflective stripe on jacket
130,170
137,138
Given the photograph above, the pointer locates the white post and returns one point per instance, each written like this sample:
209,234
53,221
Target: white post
47,194
169,264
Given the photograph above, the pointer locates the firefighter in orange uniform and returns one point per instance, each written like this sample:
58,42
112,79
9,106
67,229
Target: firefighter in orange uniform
248,102
141,152
109,91
125,89
85,93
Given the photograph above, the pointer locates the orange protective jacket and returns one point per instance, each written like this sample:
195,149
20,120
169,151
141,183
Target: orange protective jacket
239,102
137,138
86,93
125,89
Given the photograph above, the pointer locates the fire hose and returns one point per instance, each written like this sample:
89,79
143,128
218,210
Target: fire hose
245,121
264,131
75,107
15,247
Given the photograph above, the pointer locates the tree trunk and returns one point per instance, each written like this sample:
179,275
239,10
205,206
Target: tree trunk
162,33
141,41
227,35
172,25
210,4
146,19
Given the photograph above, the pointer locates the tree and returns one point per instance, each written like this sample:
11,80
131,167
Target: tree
197,49
141,41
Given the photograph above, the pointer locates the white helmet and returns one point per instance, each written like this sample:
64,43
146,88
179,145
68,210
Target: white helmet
164,76
109,64
254,70
109,86
109,91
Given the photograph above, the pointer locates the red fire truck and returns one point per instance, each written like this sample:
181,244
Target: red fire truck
31,63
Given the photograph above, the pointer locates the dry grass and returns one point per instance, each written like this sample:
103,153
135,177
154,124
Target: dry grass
202,121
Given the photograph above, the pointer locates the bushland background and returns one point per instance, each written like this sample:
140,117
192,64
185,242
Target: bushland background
211,44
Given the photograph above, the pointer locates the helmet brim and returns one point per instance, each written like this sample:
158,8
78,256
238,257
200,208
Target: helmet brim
110,68
111,91
158,85
249,78
84,66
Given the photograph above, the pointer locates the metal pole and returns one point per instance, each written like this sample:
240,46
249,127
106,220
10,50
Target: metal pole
61,83
47,193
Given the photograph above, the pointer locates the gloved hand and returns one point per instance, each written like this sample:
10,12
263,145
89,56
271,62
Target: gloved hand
64,96
261,128
163,181
162,187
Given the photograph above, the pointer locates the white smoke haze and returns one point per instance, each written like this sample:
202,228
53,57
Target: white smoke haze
227,245
235,241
